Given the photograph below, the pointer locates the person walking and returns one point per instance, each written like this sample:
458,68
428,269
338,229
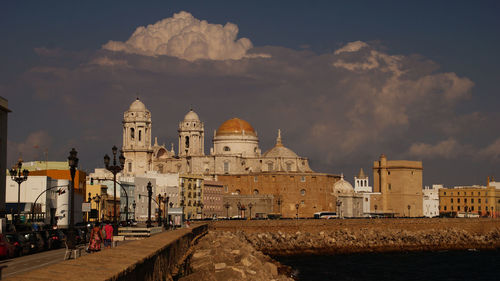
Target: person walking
95,239
108,229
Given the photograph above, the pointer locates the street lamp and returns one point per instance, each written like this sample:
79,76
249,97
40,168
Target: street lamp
239,209
167,220
227,205
97,200
279,201
73,163
160,199
133,206
297,208
150,193
250,205
19,176
115,169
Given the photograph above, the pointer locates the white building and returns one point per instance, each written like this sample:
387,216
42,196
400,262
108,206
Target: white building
42,189
431,200
63,202
361,183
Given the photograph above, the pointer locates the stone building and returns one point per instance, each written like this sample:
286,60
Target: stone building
235,154
400,185
4,110
463,201
191,194
349,203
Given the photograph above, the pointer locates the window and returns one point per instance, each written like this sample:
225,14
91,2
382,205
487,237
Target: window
256,192
269,166
226,148
451,208
302,192
472,208
479,200
465,200
302,202
458,200
187,142
472,200
458,208
366,199
238,191
303,179
451,200
255,179
289,166
132,133
390,186
130,166
444,192
140,135
226,167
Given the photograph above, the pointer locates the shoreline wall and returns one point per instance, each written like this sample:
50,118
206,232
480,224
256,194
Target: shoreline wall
293,237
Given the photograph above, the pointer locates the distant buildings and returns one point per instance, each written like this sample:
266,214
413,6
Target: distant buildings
4,110
431,200
400,185
464,201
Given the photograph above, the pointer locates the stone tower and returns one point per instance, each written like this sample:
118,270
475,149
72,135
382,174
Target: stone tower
191,135
361,182
137,139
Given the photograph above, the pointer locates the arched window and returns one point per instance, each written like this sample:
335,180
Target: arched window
289,167
226,167
270,166
238,191
302,192
132,133
140,135
226,148
187,142
256,192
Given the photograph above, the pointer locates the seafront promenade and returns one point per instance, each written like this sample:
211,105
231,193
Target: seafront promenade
238,248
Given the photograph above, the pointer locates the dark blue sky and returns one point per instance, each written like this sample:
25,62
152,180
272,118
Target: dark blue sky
458,36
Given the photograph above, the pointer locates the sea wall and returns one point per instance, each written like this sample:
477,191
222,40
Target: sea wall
288,237
159,257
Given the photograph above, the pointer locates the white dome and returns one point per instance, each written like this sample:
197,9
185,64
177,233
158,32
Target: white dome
137,105
191,116
342,187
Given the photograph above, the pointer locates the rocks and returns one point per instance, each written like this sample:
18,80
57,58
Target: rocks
234,258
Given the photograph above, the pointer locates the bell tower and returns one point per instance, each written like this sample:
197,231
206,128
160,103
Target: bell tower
137,139
191,135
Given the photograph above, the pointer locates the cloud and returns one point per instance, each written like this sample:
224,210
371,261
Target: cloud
105,61
449,148
31,148
351,47
186,37
492,151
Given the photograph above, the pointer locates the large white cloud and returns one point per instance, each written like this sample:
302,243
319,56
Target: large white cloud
185,37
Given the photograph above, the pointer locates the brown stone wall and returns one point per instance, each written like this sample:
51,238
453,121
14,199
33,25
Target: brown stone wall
312,191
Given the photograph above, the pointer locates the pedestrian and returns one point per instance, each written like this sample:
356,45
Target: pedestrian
95,239
108,229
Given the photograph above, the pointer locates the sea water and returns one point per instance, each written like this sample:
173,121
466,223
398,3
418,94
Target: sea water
440,266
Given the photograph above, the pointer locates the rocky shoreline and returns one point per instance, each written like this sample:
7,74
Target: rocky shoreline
369,240
223,255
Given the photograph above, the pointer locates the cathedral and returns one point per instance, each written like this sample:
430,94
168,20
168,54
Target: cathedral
235,148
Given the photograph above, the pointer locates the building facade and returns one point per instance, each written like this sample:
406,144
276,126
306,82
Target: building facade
431,200
212,199
4,110
400,185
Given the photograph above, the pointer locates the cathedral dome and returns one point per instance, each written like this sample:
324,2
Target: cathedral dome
236,126
279,150
191,116
137,105
342,187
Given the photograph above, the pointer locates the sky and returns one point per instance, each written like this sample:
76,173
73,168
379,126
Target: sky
345,81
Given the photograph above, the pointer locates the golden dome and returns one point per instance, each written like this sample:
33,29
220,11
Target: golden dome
236,126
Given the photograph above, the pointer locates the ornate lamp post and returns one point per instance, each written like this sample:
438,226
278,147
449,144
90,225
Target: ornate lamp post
73,163
97,200
160,199
297,208
134,205
279,201
171,205
115,169
19,176
150,193
239,209
227,205
250,205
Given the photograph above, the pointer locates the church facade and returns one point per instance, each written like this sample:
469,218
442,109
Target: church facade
235,159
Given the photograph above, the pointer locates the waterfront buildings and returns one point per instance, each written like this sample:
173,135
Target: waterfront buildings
431,200
400,185
464,201
4,110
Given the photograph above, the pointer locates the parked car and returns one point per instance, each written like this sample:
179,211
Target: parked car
36,242
21,245
56,239
7,250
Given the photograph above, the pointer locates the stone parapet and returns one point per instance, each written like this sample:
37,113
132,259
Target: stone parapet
156,258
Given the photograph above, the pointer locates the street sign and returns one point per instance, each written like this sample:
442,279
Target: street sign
85,207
